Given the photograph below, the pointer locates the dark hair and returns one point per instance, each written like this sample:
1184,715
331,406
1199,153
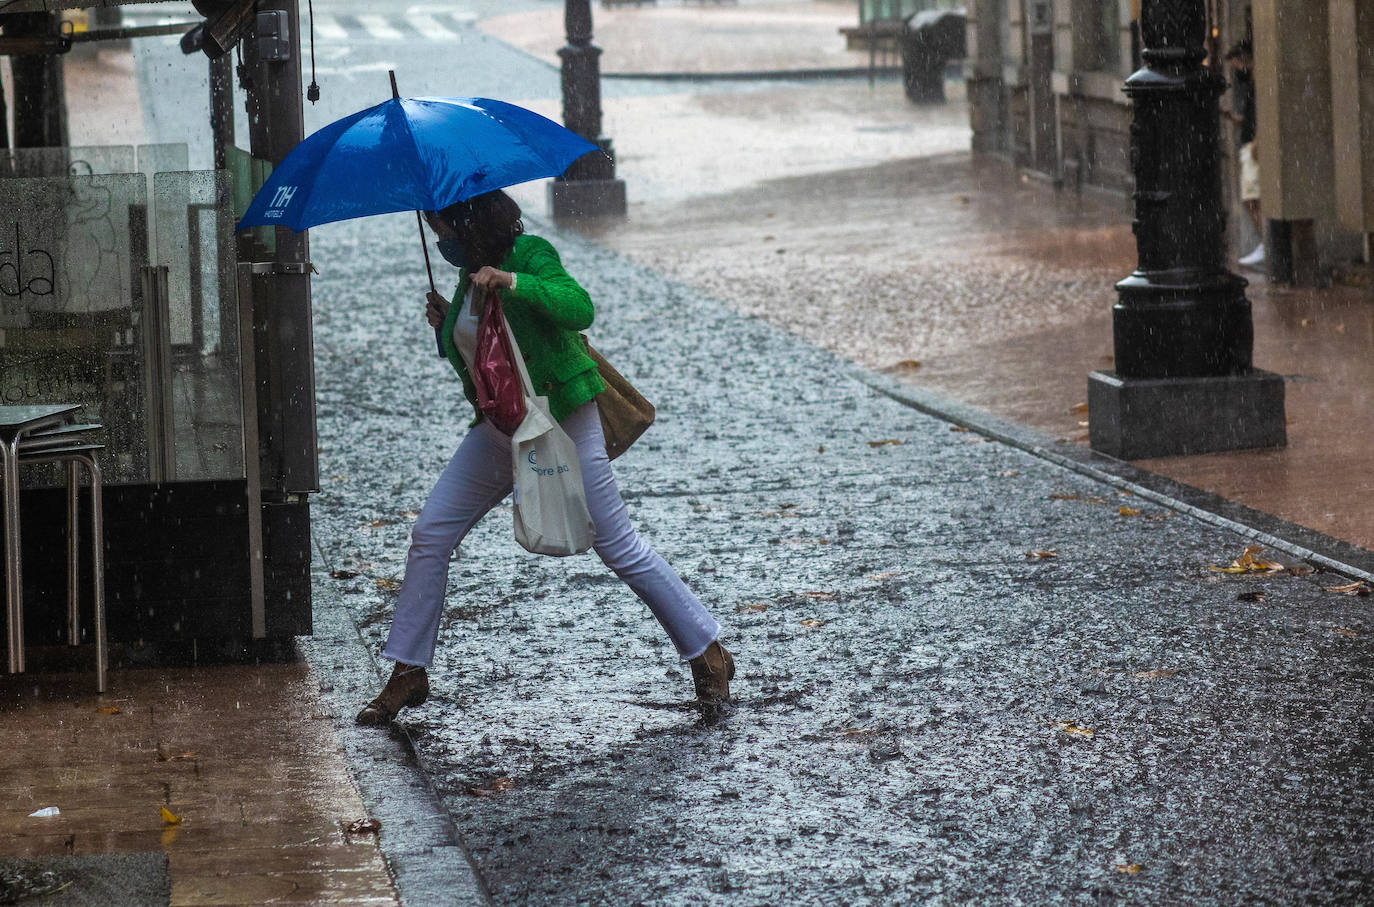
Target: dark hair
488,225
1240,49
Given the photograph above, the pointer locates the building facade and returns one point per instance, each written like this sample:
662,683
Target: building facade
1044,87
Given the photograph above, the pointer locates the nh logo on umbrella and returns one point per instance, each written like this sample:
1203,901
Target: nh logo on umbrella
280,200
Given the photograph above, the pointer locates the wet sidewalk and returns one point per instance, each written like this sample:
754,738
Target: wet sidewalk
215,785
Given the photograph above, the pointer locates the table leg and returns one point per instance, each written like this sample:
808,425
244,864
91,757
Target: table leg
73,555
98,573
14,585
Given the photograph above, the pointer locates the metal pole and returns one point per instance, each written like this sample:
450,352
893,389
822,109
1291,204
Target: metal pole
589,187
222,107
1181,327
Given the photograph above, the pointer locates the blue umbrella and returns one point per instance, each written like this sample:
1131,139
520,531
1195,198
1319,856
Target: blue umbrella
411,154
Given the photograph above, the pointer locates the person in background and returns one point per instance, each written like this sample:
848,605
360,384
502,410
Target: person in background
1242,113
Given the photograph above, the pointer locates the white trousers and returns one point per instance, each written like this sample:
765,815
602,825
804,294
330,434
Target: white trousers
476,480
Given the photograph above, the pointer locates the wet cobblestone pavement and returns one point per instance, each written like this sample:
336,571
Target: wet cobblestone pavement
927,709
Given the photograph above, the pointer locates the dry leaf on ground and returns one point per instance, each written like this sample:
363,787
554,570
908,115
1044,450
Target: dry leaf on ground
813,622
1249,562
387,584
1345,631
883,575
1360,587
1075,730
1129,869
169,817
343,574
1042,554
1154,675
1080,408
492,787
752,608
1064,496
165,754
960,428
108,710
379,523
1127,511
884,442
820,594
905,365
1302,570
365,826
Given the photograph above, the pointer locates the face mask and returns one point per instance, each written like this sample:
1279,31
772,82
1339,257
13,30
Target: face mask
454,252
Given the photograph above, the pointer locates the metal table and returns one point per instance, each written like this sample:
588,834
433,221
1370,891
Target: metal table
39,434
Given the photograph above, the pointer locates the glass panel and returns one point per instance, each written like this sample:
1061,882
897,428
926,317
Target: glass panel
70,300
25,163
195,242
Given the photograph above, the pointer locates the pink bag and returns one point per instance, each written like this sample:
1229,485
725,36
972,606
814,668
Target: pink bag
500,395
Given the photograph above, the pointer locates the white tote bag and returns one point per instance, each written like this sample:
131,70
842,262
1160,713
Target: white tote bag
551,515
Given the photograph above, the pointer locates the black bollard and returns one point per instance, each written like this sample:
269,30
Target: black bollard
589,187
1181,327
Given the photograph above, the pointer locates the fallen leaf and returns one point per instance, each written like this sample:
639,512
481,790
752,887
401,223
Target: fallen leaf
1042,554
365,826
857,732
165,754
1249,562
387,584
883,442
1154,675
493,787
905,365
169,817
1359,587
960,428
820,449
1079,408
1129,868
409,514
1255,596
1075,730
343,574
1345,631
1065,496
752,608
1302,570
883,575
1011,473
813,622
108,710
379,523
1084,424
820,594
1127,511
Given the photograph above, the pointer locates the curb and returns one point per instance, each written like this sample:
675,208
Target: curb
1314,547
850,72
419,838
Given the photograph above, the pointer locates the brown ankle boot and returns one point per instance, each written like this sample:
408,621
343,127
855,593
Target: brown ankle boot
712,672
408,686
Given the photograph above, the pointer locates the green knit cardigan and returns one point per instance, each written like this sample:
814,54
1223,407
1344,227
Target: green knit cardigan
546,311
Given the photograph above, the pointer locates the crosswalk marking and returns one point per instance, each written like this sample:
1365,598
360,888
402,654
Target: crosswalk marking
380,28
431,27
326,29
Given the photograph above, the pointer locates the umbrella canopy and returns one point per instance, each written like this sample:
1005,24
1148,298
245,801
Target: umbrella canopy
411,154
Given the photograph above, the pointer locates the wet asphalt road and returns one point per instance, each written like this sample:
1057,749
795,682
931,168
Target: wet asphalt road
926,713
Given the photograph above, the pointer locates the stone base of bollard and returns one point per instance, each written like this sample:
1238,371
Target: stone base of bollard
1140,418
587,198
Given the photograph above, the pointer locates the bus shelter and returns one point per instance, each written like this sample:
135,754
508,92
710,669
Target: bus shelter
124,288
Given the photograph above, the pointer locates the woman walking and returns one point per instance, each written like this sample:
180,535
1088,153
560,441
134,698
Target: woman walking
545,308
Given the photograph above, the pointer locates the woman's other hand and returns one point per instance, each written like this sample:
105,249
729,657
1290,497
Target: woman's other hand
436,308
489,278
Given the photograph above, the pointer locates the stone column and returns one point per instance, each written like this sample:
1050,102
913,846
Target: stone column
1181,327
589,187
1352,115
